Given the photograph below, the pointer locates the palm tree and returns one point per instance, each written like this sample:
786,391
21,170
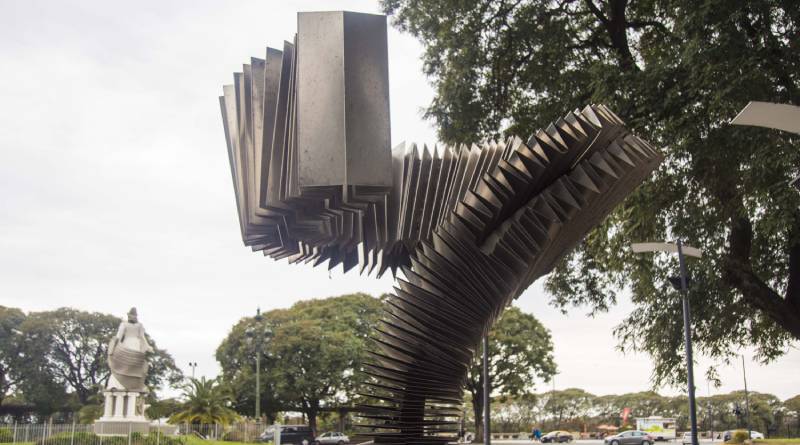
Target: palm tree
206,403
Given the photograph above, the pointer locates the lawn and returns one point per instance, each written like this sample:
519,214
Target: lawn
795,441
191,440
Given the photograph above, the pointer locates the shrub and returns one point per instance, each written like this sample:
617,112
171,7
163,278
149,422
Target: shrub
90,413
233,436
94,439
6,435
739,436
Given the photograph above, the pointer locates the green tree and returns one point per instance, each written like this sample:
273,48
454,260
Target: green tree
676,71
516,414
78,346
237,358
158,409
520,353
568,404
10,341
792,406
206,402
311,355
321,345
53,354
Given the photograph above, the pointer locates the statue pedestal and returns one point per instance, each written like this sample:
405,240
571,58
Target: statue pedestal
123,413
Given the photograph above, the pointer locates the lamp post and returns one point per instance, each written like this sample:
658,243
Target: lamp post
746,402
258,366
687,317
487,435
194,366
255,338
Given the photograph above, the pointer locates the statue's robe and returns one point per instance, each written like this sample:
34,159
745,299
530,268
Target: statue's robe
127,356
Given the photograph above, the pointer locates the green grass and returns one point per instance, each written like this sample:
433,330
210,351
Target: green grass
795,441
191,440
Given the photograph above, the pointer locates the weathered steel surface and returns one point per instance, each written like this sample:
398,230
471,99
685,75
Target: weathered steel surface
470,227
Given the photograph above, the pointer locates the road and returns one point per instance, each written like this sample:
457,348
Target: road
597,442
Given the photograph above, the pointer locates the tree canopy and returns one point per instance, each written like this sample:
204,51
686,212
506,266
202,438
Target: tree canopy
311,355
520,354
205,402
575,409
677,72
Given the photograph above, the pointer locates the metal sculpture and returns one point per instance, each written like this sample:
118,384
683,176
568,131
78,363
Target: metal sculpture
469,227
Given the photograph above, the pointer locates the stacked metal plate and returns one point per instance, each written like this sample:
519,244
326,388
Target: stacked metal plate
470,227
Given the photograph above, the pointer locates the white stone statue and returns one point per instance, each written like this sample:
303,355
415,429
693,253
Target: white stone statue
125,392
127,355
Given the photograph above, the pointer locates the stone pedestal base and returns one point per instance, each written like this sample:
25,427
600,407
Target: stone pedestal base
123,413
120,427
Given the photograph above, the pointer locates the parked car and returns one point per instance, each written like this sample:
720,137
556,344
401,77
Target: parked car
727,435
557,437
332,438
630,438
290,434
687,438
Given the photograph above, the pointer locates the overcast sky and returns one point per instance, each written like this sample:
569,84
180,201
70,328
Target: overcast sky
115,189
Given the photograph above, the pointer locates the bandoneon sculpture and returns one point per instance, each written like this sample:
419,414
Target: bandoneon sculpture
469,227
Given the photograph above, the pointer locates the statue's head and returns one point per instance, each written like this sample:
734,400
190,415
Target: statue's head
132,317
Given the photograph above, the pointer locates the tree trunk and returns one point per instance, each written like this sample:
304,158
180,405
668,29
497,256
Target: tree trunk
477,411
313,410
342,419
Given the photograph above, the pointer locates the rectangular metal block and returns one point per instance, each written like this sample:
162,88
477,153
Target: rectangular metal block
343,130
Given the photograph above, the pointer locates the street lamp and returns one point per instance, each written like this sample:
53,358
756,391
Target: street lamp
681,251
487,435
194,366
258,366
746,402
783,117
255,338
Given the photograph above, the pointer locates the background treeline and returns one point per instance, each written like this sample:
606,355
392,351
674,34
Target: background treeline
574,409
53,364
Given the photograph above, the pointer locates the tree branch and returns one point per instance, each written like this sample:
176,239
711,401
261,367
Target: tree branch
793,282
596,11
638,24
738,273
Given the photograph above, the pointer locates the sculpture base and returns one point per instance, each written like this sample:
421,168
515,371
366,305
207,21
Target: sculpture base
114,427
123,413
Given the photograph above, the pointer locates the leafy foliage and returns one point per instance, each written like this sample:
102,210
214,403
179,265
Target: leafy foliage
739,437
677,71
520,353
207,402
574,409
89,413
570,403
10,319
311,355
93,439
158,409
51,355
